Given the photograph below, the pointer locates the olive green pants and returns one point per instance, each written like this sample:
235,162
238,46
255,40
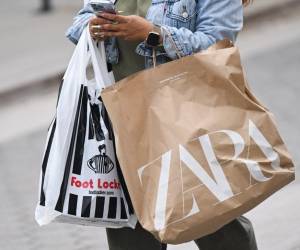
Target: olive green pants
237,235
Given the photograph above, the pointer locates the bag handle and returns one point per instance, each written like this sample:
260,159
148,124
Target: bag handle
79,58
98,62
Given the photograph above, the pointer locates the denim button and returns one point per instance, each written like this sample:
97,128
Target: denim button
185,14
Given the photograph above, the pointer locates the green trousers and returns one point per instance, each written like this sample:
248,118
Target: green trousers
237,235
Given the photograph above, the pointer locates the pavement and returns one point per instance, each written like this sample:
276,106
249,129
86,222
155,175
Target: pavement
33,47
271,56
35,51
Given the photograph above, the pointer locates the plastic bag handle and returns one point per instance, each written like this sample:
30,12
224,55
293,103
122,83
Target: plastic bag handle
98,62
80,58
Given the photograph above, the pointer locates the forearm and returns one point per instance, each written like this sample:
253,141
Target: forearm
216,20
185,42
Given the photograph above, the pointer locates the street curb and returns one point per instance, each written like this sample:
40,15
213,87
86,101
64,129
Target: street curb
49,82
54,80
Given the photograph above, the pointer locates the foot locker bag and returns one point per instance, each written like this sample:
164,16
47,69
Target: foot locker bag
79,179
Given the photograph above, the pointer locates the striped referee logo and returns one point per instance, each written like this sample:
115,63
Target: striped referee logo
101,164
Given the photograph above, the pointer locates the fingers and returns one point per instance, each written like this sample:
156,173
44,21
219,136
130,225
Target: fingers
108,25
99,21
98,36
113,27
114,17
114,34
95,28
109,31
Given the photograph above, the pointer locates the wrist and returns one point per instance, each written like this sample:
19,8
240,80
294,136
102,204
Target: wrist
149,29
154,36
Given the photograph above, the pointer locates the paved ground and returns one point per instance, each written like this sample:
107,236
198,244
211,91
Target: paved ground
32,46
271,56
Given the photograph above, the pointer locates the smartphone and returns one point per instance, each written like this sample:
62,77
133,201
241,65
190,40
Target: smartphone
103,6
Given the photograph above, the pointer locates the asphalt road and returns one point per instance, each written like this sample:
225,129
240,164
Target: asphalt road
271,56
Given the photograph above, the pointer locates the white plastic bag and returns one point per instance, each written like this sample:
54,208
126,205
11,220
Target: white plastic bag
79,179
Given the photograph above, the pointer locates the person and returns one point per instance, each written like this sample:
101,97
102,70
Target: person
148,33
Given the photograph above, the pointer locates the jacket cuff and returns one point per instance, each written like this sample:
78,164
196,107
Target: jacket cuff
75,31
143,50
171,43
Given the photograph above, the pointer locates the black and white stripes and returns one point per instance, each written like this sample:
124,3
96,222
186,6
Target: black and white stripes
99,207
98,195
101,164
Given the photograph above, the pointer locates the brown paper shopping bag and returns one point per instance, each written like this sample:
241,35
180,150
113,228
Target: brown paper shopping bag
195,146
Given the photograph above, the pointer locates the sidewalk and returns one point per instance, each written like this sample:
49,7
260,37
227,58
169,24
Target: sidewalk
34,48
32,45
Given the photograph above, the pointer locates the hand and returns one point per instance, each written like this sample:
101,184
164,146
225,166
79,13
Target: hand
131,28
95,28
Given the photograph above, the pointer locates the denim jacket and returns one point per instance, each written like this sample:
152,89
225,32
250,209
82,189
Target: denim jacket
188,25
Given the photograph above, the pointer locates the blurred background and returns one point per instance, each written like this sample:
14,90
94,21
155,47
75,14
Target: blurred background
33,56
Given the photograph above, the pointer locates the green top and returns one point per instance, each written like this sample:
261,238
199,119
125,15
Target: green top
129,61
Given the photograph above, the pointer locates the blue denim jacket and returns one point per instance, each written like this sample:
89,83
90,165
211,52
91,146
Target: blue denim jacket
193,25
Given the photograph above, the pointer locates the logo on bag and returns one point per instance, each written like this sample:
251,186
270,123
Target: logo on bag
218,184
101,164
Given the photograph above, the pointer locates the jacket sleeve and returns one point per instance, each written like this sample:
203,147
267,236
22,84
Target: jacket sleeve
81,20
215,21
